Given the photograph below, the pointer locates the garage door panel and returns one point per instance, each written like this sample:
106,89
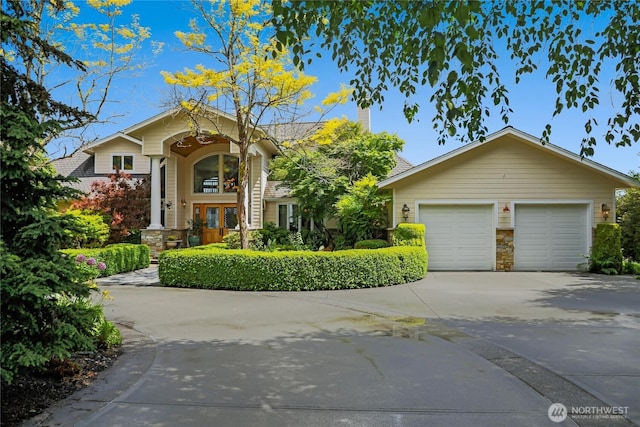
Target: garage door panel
550,237
459,237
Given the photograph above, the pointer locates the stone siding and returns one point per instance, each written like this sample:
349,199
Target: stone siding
504,249
156,239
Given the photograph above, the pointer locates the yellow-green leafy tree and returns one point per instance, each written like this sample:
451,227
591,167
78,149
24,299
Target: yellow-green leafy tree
245,75
97,35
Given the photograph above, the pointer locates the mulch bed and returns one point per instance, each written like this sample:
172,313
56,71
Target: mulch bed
33,392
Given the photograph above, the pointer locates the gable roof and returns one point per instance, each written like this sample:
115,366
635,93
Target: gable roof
89,147
526,138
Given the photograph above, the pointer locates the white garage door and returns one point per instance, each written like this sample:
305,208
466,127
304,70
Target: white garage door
550,237
459,237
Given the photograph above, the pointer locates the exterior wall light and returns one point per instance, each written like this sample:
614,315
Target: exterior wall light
405,212
605,211
183,202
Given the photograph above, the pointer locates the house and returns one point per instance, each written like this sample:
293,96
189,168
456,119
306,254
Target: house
508,203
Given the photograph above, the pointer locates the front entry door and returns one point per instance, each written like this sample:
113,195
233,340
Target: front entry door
218,220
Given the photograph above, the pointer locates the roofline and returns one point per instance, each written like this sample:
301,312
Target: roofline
523,135
170,112
89,148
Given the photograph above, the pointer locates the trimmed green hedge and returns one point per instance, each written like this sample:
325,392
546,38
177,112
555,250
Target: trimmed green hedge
407,234
119,258
606,252
371,244
291,271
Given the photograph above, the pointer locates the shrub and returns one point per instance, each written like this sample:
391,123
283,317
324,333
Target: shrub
119,258
90,230
630,267
291,271
271,232
371,244
232,240
409,235
628,216
606,252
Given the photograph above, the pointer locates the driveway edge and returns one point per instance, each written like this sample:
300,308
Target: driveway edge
137,357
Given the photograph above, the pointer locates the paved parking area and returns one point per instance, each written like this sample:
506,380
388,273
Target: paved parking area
452,349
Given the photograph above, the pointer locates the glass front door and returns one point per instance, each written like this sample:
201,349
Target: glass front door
218,220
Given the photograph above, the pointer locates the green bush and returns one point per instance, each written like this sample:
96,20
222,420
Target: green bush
371,244
409,235
630,267
232,240
271,232
90,231
291,271
119,258
606,252
45,312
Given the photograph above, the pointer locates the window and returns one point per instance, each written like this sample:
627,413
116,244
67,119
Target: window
207,176
289,217
231,166
123,162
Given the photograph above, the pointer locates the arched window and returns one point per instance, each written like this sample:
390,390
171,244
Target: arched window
207,176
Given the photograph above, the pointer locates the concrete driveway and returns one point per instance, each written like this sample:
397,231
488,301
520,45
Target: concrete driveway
452,349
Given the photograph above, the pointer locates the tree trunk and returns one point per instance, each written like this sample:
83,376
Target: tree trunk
242,192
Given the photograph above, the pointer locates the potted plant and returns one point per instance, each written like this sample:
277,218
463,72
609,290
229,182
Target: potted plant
195,231
171,241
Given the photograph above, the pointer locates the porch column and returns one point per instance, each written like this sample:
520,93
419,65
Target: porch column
155,194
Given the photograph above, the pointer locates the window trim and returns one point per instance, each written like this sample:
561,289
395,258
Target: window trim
220,177
290,209
122,156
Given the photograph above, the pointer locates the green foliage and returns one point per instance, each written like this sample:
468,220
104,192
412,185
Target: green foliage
322,169
272,233
37,324
106,333
628,216
362,211
630,267
90,232
232,240
119,258
409,235
291,271
452,48
371,244
606,252
40,290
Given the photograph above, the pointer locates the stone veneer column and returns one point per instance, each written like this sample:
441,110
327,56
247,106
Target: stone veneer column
154,239
504,249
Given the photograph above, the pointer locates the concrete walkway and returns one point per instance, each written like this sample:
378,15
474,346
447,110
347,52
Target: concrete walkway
453,349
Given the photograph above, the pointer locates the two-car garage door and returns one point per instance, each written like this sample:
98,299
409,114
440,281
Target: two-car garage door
546,236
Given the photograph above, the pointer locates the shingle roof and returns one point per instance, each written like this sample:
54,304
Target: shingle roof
402,165
276,190
81,165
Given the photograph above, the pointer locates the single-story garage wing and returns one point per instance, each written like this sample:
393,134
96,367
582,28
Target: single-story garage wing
508,203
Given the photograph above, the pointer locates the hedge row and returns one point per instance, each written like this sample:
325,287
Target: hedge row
291,271
119,258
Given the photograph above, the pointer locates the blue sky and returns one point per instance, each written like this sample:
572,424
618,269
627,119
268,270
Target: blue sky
532,100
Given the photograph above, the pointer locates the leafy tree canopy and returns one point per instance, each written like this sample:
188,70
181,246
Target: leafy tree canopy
326,166
453,47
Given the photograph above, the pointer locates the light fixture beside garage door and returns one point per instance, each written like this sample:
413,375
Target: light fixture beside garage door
405,212
605,211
